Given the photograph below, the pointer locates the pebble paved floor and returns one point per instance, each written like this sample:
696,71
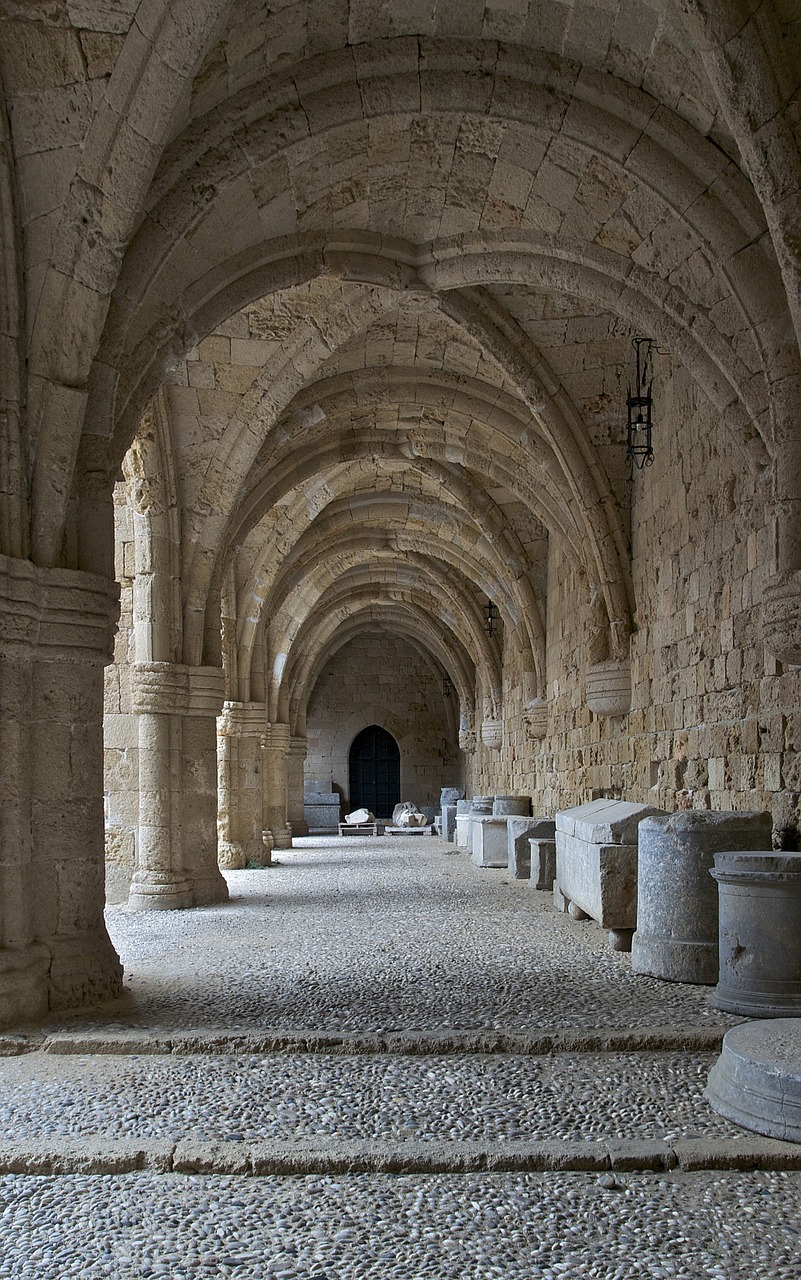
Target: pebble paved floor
378,1061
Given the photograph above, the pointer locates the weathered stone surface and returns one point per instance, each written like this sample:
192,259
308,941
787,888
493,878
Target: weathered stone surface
677,899
542,865
760,933
519,831
756,1081
347,379
510,806
596,860
488,841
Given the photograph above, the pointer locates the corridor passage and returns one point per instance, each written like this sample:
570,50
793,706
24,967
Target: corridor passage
378,1061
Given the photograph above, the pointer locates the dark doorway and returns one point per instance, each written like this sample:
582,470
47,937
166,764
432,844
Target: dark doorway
374,771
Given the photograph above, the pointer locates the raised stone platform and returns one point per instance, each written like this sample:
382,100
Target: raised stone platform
756,1081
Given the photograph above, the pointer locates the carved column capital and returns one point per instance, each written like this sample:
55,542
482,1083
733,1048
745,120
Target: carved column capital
276,738
167,688
242,720
56,614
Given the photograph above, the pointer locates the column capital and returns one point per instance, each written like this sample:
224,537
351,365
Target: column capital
56,614
276,737
242,719
167,688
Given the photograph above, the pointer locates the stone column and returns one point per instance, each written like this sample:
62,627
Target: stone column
275,745
240,729
176,846
296,758
56,633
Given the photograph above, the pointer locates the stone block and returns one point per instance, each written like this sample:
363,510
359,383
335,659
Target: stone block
519,831
596,862
489,846
448,822
542,869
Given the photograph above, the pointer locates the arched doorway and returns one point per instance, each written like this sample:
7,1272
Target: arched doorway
374,771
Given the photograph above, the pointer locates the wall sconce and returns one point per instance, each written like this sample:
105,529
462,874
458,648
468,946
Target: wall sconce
491,616
447,687
639,450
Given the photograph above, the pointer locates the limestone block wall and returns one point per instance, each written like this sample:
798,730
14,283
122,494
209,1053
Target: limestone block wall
713,720
382,679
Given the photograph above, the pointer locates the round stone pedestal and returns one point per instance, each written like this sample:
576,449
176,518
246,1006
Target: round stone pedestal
677,899
481,805
760,934
756,1081
511,806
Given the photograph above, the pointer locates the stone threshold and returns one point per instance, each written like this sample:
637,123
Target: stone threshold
277,1158
412,1043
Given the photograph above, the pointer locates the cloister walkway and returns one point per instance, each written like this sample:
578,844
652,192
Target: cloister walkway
378,1061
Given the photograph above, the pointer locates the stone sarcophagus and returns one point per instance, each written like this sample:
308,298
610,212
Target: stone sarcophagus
596,865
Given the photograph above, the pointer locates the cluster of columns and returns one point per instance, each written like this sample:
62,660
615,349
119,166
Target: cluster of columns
260,785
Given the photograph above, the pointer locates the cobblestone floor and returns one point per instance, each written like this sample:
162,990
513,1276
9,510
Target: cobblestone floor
332,1022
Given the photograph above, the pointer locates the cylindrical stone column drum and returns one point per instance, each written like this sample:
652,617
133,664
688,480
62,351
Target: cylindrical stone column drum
760,934
481,804
511,806
677,899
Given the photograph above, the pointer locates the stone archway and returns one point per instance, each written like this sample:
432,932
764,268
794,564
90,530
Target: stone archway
374,771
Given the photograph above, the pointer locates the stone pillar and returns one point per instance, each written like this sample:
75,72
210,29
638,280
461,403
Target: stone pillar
296,758
240,729
275,745
176,846
56,633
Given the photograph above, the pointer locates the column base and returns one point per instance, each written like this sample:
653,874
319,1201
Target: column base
84,970
209,889
299,827
150,892
231,855
24,981
279,837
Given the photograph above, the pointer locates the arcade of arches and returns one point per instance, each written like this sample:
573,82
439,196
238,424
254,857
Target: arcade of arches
316,326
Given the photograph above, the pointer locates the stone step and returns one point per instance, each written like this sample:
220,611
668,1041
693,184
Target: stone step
110,1039
105,1157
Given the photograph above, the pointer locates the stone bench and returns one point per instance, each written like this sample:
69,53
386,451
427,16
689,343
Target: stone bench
596,865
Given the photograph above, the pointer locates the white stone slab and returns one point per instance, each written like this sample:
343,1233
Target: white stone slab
489,842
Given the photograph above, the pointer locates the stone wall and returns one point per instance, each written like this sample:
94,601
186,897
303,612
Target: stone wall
713,714
381,679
